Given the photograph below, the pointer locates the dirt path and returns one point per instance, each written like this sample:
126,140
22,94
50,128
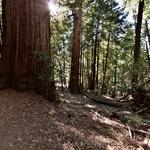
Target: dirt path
29,122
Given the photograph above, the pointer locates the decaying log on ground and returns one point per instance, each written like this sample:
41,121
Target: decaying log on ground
108,101
121,115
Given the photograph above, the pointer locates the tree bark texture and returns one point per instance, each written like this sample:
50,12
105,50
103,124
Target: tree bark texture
74,75
25,30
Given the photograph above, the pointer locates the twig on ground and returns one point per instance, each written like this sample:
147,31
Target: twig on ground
136,130
142,110
129,130
141,131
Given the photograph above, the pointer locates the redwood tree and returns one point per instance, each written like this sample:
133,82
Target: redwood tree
74,74
25,31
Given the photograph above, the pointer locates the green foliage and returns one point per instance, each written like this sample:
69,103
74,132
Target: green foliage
97,16
136,119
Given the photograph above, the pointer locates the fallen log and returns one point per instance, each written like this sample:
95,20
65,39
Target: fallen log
108,101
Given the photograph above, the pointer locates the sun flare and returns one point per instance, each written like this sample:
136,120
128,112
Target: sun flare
53,7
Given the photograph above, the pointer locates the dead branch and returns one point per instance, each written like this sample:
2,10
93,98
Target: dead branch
129,130
142,110
140,131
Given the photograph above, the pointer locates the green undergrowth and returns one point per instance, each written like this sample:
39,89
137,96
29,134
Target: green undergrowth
137,119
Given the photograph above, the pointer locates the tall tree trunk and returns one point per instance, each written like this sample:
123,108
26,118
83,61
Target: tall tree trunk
97,66
93,69
6,44
64,69
137,45
148,35
88,70
147,51
104,86
147,32
1,29
98,57
26,29
81,69
74,73
115,76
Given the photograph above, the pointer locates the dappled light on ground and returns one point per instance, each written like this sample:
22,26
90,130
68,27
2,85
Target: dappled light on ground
30,122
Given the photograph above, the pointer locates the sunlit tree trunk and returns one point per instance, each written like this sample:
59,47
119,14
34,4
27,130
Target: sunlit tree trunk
147,32
26,30
97,65
81,69
147,51
98,58
137,45
74,74
147,43
93,66
64,69
88,61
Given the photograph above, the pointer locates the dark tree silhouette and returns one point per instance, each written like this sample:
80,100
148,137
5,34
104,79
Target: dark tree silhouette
137,45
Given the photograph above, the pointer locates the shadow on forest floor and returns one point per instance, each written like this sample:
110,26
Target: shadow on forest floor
28,121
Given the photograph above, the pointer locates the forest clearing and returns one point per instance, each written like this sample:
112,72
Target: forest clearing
74,75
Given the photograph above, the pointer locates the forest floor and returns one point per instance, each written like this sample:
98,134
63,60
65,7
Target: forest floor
29,122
